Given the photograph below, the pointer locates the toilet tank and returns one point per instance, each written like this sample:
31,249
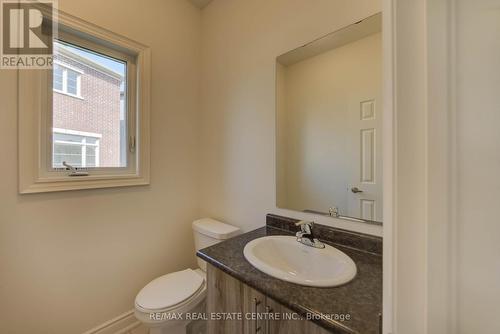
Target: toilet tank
208,232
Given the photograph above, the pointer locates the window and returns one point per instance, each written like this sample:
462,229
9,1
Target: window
66,80
90,111
77,149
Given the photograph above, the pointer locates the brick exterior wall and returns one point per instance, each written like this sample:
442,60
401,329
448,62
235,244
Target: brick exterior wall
98,110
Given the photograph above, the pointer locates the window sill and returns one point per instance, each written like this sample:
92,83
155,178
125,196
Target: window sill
83,182
68,94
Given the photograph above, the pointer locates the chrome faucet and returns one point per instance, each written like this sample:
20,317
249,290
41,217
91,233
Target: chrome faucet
305,236
334,212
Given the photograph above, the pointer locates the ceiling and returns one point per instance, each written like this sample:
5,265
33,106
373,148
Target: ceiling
200,3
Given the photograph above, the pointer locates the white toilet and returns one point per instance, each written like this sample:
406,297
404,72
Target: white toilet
160,302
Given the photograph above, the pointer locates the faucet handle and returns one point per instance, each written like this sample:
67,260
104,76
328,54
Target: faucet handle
334,212
305,226
305,236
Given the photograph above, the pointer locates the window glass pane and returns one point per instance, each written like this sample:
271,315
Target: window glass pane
101,110
74,149
70,153
91,141
72,82
90,156
58,77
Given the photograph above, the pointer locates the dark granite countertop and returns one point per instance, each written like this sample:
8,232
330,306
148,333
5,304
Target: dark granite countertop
361,298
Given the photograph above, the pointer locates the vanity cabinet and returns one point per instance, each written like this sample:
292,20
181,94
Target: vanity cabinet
233,307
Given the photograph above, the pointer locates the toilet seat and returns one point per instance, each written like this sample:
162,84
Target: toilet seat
171,291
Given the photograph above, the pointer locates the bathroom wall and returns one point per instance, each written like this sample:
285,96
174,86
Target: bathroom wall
240,41
73,260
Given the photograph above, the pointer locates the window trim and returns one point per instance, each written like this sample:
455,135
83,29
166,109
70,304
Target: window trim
34,123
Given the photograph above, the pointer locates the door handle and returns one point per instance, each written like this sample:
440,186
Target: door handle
356,190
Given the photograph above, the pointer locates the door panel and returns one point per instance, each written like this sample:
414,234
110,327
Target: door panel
364,192
253,308
224,294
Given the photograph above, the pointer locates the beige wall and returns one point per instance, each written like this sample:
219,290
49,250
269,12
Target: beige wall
240,41
70,261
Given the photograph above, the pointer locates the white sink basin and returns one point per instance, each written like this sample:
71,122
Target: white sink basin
284,258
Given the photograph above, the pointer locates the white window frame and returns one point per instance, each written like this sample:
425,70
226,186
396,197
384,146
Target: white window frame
65,69
35,116
83,143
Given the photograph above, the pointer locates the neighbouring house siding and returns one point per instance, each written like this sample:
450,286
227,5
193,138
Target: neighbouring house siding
98,110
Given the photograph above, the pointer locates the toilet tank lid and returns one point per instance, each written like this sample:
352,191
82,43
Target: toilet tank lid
215,229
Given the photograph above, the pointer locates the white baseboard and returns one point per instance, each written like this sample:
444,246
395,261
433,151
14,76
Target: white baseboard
119,325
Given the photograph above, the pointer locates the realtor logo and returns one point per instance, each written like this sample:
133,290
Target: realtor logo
27,34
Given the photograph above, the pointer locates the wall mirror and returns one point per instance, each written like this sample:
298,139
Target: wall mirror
329,124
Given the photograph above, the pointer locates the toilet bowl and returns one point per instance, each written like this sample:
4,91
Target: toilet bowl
167,303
